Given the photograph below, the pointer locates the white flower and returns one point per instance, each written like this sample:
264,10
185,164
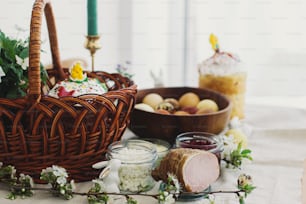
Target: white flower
46,171
23,177
175,182
244,180
72,185
61,180
13,173
1,164
1,75
235,123
211,198
169,199
229,146
59,171
62,191
101,184
24,63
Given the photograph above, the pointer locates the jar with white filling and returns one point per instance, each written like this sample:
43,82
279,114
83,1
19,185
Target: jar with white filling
137,160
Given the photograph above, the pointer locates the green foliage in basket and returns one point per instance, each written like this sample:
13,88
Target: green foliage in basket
14,63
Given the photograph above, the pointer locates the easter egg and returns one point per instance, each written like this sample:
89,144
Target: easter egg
190,110
174,102
165,106
189,99
204,111
152,99
162,111
207,105
181,113
144,107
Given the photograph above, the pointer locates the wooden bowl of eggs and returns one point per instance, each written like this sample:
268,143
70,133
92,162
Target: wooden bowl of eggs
164,113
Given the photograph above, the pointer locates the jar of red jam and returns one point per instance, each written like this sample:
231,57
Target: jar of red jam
201,140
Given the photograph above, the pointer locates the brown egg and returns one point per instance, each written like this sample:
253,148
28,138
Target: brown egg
189,99
152,99
181,113
162,111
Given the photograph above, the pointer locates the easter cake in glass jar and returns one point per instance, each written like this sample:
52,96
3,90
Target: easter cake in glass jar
224,73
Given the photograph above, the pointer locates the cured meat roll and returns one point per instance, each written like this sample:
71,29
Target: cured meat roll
195,169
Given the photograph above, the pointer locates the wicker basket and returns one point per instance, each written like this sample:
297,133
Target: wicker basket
38,131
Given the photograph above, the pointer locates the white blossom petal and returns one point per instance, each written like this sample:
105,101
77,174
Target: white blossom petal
72,185
18,60
169,199
24,63
61,180
1,73
59,171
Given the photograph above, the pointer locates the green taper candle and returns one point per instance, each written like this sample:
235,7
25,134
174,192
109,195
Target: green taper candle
92,24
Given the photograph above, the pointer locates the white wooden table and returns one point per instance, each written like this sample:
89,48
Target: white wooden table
278,142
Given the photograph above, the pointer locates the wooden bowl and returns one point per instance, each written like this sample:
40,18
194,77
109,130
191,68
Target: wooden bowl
167,127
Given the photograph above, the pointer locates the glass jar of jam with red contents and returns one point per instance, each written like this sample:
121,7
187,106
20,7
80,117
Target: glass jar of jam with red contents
201,140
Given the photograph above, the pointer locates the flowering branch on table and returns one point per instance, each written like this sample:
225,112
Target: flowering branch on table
57,177
235,143
234,158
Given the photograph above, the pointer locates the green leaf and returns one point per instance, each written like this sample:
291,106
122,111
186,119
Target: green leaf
131,200
15,82
246,151
9,46
24,53
11,196
241,200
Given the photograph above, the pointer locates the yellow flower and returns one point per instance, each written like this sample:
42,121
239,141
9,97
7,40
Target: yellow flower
214,42
239,137
77,71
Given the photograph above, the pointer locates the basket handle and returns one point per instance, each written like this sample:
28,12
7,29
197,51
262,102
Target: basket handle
40,6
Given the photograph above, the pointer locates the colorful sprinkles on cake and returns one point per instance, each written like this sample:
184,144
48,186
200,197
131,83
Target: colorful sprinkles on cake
78,84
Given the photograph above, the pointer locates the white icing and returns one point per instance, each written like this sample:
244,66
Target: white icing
221,64
91,86
131,155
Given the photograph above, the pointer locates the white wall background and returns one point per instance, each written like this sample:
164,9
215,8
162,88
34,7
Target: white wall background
268,35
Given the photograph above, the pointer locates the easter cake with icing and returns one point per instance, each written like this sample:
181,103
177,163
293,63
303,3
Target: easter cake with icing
77,84
224,73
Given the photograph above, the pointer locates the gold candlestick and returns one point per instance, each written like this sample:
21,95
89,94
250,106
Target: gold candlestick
92,44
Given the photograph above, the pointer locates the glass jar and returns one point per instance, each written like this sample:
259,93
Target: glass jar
226,74
162,148
137,159
201,140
